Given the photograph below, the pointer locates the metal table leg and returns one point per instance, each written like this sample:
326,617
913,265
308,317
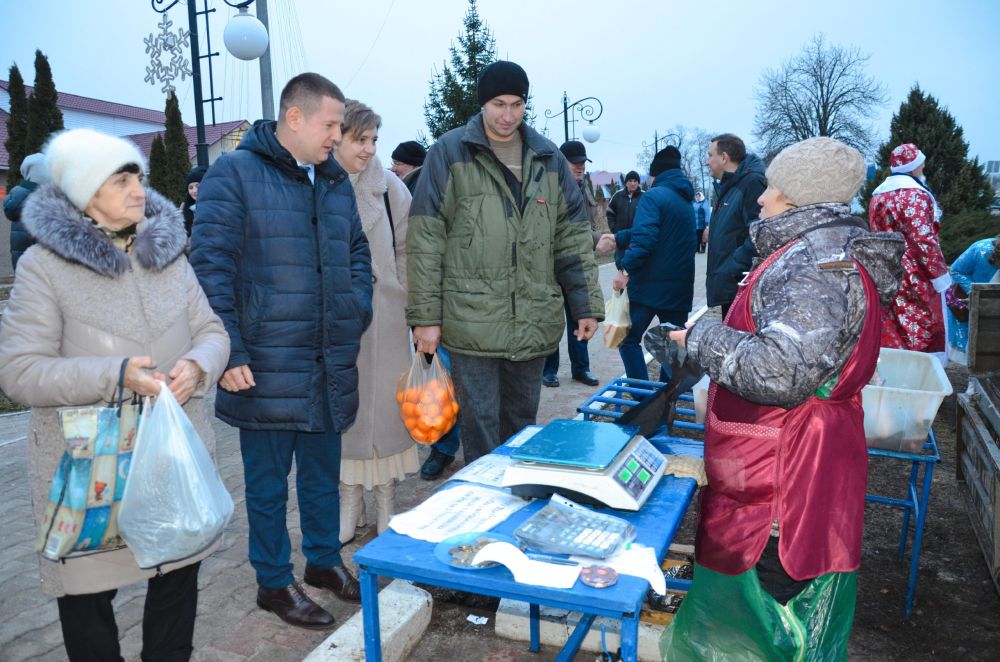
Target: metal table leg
369,615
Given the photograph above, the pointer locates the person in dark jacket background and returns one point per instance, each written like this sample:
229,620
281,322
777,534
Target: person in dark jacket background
702,216
658,266
730,251
34,173
280,251
621,209
407,159
187,207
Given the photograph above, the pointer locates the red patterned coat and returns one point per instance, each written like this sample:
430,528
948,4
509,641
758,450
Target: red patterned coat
914,319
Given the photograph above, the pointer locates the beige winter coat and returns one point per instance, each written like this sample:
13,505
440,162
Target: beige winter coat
385,346
78,308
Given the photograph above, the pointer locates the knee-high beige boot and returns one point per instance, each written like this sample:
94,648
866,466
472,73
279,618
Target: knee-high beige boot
385,496
352,502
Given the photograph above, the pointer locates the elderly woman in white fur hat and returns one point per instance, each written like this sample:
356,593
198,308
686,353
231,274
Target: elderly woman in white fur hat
107,284
779,523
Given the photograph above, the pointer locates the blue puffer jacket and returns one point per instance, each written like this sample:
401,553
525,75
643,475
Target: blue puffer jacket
286,266
20,239
661,245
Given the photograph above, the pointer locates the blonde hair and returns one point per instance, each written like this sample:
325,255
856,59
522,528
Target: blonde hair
359,118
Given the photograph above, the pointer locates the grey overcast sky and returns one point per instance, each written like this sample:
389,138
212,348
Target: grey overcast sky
654,65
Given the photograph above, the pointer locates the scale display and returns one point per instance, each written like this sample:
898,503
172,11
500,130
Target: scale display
603,462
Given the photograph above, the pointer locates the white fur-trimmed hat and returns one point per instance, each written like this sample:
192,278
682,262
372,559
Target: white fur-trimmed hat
81,160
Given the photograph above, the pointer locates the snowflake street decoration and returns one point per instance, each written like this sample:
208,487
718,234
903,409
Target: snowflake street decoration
172,46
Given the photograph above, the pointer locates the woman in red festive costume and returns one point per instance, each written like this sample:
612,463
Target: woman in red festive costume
903,203
779,526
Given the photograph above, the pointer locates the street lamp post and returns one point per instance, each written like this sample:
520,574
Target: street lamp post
201,146
587,111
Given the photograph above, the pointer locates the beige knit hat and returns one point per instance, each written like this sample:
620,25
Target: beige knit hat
81,160
817,170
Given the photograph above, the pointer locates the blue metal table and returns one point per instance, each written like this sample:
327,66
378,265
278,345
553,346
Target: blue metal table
609,402
403,557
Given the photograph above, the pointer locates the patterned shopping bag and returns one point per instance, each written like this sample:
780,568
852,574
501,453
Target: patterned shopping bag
82,512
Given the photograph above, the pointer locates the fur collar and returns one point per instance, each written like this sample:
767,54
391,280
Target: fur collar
58,226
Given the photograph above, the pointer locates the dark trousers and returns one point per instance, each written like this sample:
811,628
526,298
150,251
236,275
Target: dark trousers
267,460
631,348
90,633
725,310
579,357
496,398
699,236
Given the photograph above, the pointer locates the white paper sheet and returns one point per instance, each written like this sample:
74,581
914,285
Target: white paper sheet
637,560
460,509
526,571
487,470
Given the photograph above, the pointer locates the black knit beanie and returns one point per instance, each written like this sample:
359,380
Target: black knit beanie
411,153
667,158
502,77
196,175
633,175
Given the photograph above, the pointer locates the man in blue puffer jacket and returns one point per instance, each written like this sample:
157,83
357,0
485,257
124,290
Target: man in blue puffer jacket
279,249
658,265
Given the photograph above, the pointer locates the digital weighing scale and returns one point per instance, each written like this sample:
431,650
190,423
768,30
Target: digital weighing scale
587,461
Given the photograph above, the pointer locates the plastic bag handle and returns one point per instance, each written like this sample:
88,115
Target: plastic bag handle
119,400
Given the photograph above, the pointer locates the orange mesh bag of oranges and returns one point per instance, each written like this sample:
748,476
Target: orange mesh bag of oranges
426,399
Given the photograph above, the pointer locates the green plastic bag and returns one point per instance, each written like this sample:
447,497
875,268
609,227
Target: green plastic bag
731,617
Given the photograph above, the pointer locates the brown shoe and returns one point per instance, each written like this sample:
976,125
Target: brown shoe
293,606
337,579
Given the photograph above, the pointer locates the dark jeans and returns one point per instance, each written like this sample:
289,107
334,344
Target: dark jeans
267,460
579,357
449,443
496,398
90,633
631,348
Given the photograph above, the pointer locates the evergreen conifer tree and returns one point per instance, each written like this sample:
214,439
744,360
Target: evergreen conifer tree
17,126
452,100
959,184
177,162
44,116
157,164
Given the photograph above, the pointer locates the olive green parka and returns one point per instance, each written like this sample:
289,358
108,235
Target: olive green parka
487,267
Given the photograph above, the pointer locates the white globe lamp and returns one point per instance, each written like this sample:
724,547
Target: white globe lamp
591,133
245,37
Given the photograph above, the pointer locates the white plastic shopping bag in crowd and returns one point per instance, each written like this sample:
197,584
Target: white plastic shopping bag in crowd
175,504
617,322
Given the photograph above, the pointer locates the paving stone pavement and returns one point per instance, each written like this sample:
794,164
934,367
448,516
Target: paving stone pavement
229,626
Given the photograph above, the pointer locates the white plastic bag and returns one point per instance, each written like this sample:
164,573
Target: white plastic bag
617,321
175,504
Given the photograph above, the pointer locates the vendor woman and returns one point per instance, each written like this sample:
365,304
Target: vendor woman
779,527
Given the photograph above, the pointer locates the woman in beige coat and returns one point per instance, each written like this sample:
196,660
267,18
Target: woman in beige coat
376,451
107,280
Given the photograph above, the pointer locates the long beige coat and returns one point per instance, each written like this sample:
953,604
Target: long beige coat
385,346
78,308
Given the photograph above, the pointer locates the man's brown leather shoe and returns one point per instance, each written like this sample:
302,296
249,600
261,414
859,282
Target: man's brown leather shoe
293,606
337,579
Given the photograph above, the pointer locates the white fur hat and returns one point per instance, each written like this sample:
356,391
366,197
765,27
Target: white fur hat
81,160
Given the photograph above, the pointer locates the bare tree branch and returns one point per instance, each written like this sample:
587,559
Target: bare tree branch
823,91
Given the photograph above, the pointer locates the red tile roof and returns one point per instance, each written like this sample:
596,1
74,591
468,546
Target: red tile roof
144,140
213,134
90,105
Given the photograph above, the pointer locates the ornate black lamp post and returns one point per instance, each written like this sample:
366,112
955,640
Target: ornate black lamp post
244,42
587,110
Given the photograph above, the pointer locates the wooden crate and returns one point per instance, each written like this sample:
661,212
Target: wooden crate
978,472
984,329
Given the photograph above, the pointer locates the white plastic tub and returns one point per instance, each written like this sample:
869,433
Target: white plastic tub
900,412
